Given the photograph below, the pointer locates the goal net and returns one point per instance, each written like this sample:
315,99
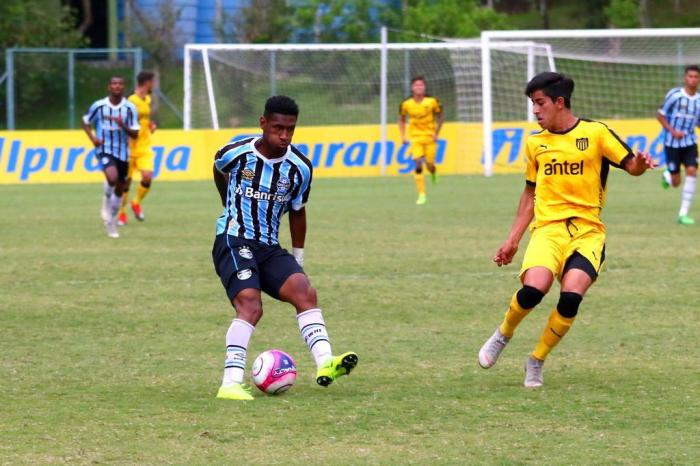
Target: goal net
341,84
619,74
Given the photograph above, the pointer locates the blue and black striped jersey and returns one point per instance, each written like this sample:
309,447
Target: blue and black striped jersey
683,114
115,141
261,190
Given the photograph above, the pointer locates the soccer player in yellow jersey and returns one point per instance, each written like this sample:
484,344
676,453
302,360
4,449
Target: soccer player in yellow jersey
141,152
567,171
425,119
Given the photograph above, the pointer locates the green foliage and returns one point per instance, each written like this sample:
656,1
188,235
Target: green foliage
451,18
37,23
112,351
264,22
623,13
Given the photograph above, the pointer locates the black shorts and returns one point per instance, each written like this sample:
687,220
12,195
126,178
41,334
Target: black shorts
107,160
242,263
677,156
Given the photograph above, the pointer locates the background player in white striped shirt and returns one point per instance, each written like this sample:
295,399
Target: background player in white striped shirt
115,121
679,115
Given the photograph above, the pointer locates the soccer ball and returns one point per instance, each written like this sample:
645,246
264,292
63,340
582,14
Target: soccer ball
274,372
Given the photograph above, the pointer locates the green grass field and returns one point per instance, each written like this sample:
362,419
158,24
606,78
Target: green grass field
112,351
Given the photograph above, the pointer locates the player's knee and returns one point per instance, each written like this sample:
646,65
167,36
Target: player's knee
529,297
419,169
146,178
248,306
568,304
310,297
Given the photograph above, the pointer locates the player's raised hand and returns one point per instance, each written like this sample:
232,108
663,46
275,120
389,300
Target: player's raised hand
643,158
505,253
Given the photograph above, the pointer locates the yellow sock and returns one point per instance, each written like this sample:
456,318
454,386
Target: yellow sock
514,315
420,182
141,192
554,331
125,200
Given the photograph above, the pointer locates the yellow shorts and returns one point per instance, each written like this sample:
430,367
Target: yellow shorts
141,159
551,245
425,150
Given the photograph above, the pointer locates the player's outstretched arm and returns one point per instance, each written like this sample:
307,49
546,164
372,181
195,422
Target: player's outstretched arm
523,217
88,130
297,229
640,163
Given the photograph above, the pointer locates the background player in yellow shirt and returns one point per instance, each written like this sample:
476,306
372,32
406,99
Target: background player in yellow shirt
141,152
567,170
425,119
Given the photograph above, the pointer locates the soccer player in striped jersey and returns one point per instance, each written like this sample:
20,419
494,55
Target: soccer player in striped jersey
425,119
115,122
141,156
259,180
679,115
568,163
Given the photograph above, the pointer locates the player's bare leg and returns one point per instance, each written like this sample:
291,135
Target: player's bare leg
420,181
574,285
687,195
249,311
121,216
297,291
433,172
141,192
536,283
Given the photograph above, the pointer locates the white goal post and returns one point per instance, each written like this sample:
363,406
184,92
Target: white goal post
619,73
342,84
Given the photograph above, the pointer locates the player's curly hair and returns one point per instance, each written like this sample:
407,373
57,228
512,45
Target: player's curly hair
553,85
281,104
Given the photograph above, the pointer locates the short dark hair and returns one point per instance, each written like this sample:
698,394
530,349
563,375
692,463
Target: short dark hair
418,78
116,76
281,104
553,85
144,76
695,68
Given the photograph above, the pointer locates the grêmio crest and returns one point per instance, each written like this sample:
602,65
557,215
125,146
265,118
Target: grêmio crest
582,143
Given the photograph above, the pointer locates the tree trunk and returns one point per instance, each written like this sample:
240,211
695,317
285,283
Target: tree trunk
544,13
644,19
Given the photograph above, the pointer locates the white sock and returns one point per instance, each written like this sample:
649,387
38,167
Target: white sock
667,176
115,202
237,339
313,331
687,197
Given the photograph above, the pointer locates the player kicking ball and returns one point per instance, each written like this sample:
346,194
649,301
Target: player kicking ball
565,189
259,180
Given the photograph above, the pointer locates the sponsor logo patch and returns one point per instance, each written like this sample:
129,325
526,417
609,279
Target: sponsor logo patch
105,160
283,184
248,174
244,274
245,252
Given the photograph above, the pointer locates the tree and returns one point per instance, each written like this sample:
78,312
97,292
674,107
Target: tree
623,13
263,21
34,23
451,18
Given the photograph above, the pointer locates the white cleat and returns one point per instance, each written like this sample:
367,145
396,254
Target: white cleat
492,349
533,373
111,228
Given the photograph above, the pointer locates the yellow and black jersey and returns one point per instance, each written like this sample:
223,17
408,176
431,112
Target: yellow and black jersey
143,108
422,121
569,170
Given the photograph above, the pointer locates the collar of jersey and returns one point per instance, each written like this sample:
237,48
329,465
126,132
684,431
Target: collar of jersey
567,130
691,97
266,159
109,102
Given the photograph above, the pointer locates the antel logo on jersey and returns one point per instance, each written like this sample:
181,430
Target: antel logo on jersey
248,174
245,252
563,168
251,193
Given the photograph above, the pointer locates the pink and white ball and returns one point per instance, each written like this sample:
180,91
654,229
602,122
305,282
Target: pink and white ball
274,372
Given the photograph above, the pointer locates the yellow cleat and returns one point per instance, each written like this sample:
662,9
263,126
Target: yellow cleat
336,367
237,391
421,199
